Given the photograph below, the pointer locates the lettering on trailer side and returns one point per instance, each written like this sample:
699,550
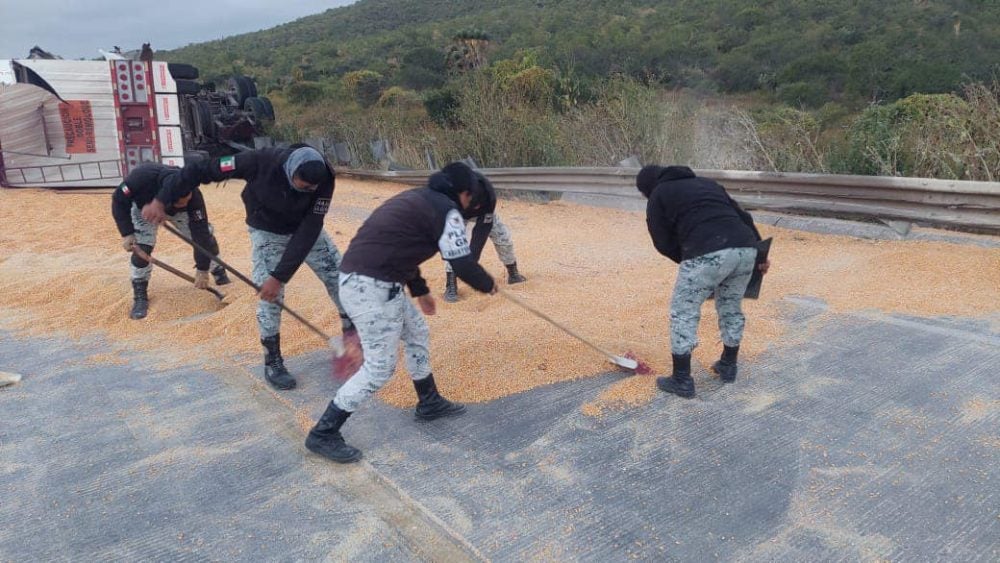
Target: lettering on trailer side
78,127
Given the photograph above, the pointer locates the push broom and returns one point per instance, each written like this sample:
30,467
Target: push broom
631,364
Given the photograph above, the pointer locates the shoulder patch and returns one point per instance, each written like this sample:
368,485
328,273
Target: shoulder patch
322,206
125,190
227,163
454,242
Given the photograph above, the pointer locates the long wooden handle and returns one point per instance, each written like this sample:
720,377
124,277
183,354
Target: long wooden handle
246,280
542,315
142,254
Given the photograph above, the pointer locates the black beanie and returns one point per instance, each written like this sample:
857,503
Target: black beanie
313,172
647,178
462,177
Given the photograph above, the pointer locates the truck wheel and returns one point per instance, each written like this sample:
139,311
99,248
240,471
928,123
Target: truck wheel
188,88
242,88
196,155
181,71
204,123
260,110
267,104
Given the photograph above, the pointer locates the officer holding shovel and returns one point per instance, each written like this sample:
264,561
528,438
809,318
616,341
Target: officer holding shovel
287,196
187,214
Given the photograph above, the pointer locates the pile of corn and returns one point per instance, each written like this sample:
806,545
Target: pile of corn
594,270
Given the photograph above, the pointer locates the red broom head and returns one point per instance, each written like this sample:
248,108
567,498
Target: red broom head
347,356
643,368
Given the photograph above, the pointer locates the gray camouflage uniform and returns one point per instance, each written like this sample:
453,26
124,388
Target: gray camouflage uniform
383,315
145,233
502,242
266,252
727,272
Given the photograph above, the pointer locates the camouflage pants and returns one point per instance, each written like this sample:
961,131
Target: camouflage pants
384,316
267,248
145,233
726,272
502,242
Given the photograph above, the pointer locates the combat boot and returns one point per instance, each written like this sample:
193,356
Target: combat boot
680,383
274,365
450,287
726,366
431,404
326,440
220,275
513,276
140,303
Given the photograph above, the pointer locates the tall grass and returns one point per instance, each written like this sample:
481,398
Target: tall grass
944,136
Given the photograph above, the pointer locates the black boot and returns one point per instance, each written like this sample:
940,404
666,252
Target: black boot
220,275
680,383
325,438
450,287
274,365
431,404
140,305
513,276
726,366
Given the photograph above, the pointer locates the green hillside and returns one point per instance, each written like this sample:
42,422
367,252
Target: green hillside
808,51
890,87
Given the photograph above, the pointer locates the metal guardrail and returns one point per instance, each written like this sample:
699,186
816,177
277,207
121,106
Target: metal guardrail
970,206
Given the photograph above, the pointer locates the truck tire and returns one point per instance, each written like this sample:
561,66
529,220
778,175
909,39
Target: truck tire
242,88
195,156
259,109
188,88
204,122
267,104
181,71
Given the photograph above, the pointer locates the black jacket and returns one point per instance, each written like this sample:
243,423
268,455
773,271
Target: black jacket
143,184
271,203
404,232
688,216
484,219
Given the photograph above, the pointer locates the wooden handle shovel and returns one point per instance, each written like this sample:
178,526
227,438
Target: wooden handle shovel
142,254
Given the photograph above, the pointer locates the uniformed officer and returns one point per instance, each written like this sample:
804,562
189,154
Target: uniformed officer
187,214
380,265
695,223
502,241
287,196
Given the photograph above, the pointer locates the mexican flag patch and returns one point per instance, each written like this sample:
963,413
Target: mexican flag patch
227,163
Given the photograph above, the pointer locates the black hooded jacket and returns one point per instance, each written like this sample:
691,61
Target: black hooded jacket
271,203
142,185
411,227
688,216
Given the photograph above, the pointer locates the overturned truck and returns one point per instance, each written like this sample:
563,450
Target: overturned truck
66,124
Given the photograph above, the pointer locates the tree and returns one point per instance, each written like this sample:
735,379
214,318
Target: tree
365,86
468,51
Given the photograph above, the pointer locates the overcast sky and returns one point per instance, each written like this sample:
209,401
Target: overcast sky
77,28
